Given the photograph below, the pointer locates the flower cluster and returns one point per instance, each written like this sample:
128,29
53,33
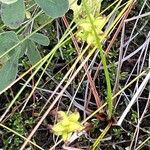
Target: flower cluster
86,32
67,124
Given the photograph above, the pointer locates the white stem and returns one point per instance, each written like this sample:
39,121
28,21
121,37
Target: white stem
138,92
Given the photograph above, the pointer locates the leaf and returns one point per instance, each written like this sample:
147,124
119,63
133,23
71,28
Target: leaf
40,39
13,14
54,8
23,46
42,19
8,71
8,63
7,40
8,1
32,52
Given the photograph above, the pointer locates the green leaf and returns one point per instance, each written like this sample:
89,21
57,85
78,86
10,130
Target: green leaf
42,19
32,52
23,46
13,14
54,8
40,39
8,71
8,63
7,40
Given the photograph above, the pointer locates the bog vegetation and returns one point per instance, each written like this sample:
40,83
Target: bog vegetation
74,74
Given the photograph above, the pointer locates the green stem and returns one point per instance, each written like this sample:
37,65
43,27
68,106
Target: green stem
103,58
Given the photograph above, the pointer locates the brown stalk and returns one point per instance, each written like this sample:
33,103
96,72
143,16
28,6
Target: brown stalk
92,84
119,28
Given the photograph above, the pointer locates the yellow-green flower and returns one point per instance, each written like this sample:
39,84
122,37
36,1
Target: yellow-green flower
67,124
86,32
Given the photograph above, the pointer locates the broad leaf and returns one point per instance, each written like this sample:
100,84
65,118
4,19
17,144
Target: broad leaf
32,52
8,63
40,39
54,8
22,45
13,14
